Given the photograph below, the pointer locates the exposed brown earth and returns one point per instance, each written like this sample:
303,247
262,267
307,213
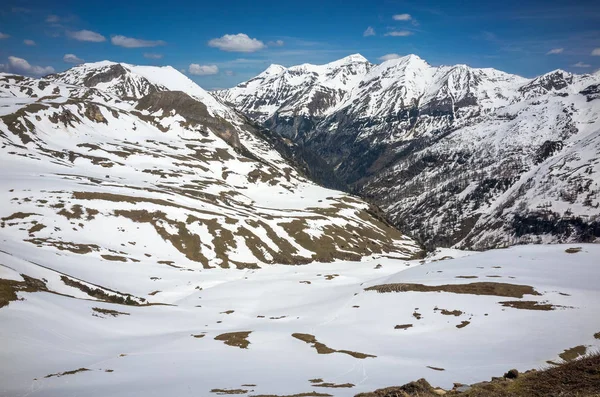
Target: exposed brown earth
323,349
482,288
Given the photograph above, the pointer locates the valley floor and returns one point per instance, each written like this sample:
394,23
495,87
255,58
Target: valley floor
297,329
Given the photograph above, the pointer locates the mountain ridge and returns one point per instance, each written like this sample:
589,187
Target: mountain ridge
382,134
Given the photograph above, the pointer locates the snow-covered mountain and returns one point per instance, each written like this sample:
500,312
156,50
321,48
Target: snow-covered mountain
455,155
113,162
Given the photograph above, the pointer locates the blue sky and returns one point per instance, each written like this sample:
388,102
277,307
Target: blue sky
221,43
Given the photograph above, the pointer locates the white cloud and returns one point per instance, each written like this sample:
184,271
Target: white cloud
399,33
52,19
29,42
86,35
276,43
129,42
150,55
387,57
581,65
21,66
555,51
237,43
369,32
72,58
402,17
596,52
203,70
230,73
4,35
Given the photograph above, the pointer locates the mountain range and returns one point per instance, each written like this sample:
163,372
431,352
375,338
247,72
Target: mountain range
454,155
151,232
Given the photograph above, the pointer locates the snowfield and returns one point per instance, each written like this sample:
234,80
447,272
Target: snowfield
152,350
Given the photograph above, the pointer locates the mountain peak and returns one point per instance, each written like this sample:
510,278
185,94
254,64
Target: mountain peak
273,69
350,59
354,58
407,59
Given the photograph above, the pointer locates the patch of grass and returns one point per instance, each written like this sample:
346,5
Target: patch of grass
36,228
308,394
481,288
222,392
577,378
466,277
323,349
403,326
528,305
122,299
463,324
227,312
64,245
9,288
420,388
236,339
573,250
75,213
597,335
58,375
18,215
435,368
454,313
109,312
316,380
198,336
335,385
115,258
573,353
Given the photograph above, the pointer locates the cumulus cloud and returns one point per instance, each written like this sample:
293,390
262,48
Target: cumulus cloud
387,57
21,66
237,43
129,42
369,32
399,33
203,70
555,51
86,35
596,52
402,17
29,42
276,43
581,65
52,18
150,55
72,58
4,35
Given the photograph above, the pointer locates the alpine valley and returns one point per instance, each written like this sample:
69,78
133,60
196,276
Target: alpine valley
455,156
160,240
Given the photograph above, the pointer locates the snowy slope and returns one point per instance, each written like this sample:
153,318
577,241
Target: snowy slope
151,350
175,182
454,155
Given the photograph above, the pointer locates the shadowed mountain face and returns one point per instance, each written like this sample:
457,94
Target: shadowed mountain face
455,155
